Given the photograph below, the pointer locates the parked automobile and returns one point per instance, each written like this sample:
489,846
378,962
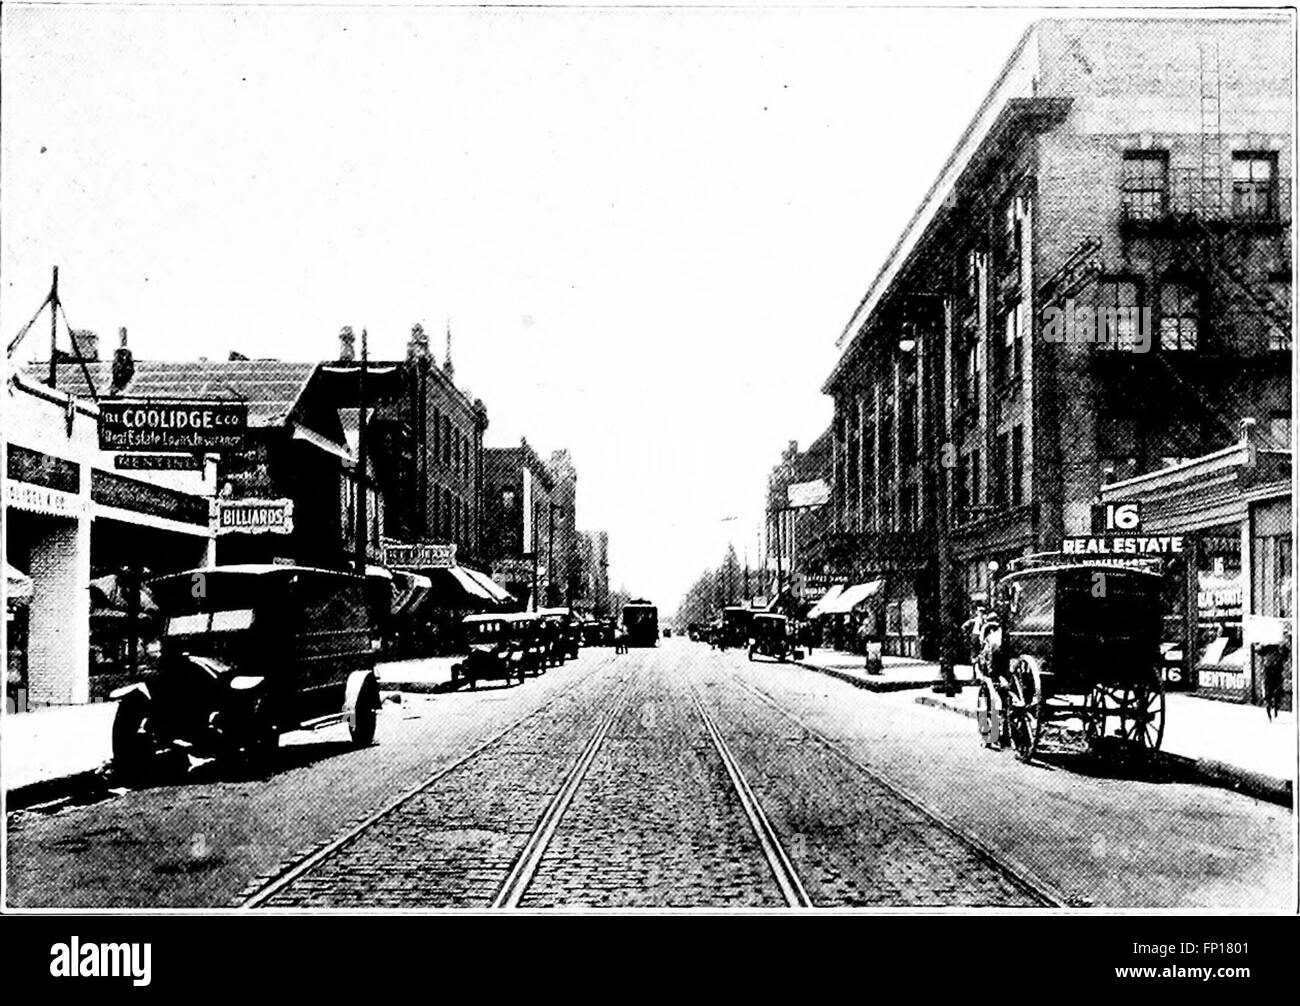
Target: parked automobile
249,652
495,650
770,636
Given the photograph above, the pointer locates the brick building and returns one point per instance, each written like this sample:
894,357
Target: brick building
794,537
1096,286
429,446
519,516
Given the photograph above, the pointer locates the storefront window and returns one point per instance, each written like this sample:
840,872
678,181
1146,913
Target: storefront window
1220,656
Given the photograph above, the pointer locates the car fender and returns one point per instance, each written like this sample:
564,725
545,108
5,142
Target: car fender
138,687
357,681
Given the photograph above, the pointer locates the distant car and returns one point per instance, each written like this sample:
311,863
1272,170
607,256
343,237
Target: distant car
258,651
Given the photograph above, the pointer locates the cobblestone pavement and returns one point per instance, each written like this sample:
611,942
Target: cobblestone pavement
852,841
599,784
453,843
656,821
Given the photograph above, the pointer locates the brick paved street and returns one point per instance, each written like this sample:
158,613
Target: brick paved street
599,784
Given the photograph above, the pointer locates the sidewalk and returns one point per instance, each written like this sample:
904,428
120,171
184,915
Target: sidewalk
1225,743
49,753
46,752
424,674
897,673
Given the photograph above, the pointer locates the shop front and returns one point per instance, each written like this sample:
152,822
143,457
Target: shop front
86,537
1231,592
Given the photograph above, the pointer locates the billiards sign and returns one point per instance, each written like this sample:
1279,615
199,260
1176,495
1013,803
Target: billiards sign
172,424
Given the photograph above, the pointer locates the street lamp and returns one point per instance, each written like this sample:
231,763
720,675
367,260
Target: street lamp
930,396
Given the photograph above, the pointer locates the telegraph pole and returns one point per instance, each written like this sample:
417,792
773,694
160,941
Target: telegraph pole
54,328
361,462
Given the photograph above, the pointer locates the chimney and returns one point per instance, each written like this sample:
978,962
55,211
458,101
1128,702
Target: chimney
417,348
1248,438
347,345
123,364
448,367
86,342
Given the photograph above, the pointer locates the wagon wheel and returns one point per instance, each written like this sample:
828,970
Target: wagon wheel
1094,716
1025,719
1142,718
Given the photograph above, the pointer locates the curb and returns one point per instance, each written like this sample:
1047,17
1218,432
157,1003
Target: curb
60,789
883,685
1206,770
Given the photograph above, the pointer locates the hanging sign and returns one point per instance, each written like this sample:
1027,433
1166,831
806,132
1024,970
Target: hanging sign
253,516
143,424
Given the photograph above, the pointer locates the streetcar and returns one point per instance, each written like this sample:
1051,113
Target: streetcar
641,623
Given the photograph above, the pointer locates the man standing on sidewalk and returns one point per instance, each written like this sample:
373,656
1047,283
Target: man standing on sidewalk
868,642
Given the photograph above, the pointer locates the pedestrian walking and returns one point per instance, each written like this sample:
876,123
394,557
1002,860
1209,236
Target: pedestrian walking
620,641
1275,658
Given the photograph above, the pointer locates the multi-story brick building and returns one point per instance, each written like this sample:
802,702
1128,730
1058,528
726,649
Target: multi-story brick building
519,505
566,577
593,555
1126,176
794,536
431,445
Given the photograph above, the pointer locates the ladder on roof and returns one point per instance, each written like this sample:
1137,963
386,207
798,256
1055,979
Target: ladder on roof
1211,108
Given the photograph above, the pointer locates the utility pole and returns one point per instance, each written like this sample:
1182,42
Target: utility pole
54,328
361,462
550,555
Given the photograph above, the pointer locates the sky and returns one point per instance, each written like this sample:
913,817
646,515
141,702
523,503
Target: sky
647,227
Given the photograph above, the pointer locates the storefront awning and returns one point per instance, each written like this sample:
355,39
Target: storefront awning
494,589
18,586
409,590
852,597
820,608
323,442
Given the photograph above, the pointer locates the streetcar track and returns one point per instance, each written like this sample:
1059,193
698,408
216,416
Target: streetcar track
1020,875
526,864
296,868
783,871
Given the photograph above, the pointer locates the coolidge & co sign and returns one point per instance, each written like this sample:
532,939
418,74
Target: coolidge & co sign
139,424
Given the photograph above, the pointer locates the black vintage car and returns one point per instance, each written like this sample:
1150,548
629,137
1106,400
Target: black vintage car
249,652
497,650
770,636
567,636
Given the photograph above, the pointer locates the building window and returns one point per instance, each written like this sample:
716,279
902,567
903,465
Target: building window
1017,465
1118,314
1009,353
446,440
1011,240
1000,480
970,391
507,499
907,421
1145,194
1279,430
1279,318
908,516
1179,310
1254,185
437,436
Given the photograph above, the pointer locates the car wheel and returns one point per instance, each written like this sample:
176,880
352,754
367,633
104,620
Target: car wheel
134,746
363,723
